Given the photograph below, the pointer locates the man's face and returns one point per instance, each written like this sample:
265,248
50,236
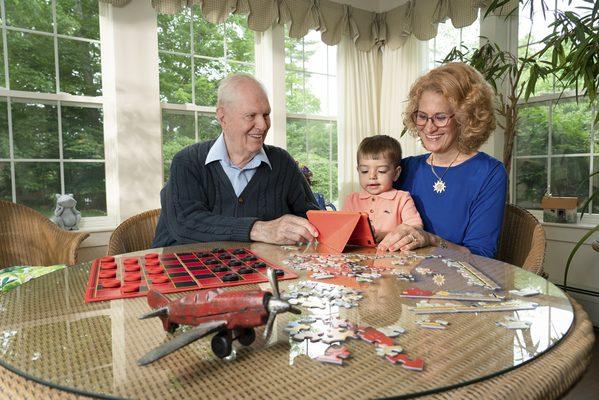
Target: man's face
245,121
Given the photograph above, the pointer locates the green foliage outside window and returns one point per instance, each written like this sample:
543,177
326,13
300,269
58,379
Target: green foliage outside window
35,124
194,57
312,142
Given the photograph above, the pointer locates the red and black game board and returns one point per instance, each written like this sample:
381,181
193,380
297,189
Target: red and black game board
121,277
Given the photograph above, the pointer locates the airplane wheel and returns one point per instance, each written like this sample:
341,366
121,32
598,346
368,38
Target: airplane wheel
246,336
221,344
172,328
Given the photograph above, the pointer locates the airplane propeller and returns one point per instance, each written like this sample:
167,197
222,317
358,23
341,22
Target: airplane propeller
275,304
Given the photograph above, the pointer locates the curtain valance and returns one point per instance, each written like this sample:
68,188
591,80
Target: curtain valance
366,28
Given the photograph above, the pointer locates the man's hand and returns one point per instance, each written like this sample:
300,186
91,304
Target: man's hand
288,229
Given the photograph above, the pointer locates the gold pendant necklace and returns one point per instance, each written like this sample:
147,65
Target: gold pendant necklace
440,186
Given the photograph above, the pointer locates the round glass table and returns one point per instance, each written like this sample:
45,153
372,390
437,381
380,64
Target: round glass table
50,335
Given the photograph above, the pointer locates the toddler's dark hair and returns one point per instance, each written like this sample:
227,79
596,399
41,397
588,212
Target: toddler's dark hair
384,145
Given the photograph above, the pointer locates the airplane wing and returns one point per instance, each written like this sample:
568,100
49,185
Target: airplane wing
181,340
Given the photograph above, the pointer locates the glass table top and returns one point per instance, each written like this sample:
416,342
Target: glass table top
50,334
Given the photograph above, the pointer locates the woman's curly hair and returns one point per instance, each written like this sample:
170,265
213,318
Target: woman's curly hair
470,97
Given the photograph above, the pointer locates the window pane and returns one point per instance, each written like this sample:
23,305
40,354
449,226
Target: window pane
294,83
319,144
596,185
531,182
571,123
315,53
174,31
36,185
315,94
333,128
4,151
321,178
235,67
335,174
80,71
210,40
294,52
31,62
447,38
178,131
82,132
208,126
240,39
86,182
175,79
29,14
78,18
570,177
296,139
532,130
2,72
35,130
208,73
5,186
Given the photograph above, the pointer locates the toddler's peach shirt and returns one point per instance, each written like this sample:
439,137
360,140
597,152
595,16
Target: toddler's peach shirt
385,210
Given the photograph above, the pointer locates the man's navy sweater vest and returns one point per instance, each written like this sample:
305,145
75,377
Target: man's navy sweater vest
200,205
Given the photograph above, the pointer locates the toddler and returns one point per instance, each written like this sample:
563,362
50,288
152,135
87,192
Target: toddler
378,167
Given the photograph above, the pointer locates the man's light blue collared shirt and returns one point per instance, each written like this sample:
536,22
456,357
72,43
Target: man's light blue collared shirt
239,177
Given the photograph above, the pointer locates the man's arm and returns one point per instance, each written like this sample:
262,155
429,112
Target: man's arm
185,205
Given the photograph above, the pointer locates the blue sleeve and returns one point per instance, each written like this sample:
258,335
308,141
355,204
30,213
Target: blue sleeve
486,214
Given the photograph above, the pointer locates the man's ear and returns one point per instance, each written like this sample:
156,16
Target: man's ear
397,173
220,115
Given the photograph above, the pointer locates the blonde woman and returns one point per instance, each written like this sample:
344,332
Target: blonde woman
459,191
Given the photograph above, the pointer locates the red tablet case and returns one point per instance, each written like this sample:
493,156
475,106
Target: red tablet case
337,229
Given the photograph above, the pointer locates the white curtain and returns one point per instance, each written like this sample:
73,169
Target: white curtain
400,68
359,83
373,88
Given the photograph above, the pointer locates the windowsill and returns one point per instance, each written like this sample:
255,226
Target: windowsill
590,221
578,225
96,229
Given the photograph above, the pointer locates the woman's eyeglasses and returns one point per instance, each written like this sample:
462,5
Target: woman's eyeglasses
440,120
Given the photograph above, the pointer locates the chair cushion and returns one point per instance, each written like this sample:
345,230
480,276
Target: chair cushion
14,276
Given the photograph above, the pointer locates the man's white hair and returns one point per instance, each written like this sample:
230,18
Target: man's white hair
227,89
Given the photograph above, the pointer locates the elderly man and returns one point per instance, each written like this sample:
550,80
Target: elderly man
236,187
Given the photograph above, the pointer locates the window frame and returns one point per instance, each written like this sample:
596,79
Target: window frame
328,118
60,99
551,100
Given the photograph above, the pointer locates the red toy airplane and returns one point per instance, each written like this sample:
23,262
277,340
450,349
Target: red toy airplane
234,315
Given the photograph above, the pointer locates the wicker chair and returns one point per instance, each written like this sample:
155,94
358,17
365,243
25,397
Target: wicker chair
134,234
29,238
522,240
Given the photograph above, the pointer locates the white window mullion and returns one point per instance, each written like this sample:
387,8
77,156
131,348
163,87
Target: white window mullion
193,69
55,40
549,144
11,150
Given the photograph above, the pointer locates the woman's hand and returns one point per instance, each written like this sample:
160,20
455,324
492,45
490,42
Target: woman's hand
404,237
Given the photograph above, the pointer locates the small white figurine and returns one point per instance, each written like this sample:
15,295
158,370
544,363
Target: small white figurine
66,215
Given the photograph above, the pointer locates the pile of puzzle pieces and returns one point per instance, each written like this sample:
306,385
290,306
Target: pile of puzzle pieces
311,294
362,267
335,331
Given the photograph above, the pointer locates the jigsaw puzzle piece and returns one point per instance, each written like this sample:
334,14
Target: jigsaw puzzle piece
336,335
392,330
414,365
372,335
334,355
385,351
303,335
